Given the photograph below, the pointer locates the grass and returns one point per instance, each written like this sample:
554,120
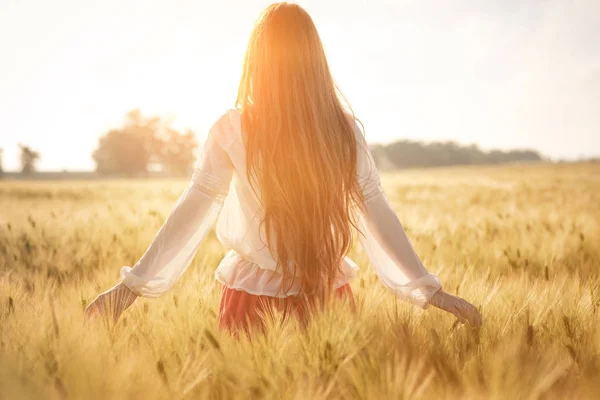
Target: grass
521,242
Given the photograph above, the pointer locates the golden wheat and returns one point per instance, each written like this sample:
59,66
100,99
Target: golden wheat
521,242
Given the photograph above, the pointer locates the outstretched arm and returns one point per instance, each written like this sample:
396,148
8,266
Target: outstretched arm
390,251
172,250
392,256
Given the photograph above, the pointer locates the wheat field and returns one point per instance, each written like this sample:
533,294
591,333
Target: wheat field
521,242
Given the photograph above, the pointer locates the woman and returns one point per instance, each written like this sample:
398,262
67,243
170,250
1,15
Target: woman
292,174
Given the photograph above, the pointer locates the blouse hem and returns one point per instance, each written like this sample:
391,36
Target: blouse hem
259,293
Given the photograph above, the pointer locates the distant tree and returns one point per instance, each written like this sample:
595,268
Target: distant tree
29,158
176,151
1,169
141,143
127,150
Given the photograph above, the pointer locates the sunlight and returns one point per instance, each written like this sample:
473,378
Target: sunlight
487,75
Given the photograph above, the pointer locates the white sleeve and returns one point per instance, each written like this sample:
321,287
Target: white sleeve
172,250
384,239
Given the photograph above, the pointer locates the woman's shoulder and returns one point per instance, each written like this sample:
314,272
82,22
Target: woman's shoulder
235,120
226,128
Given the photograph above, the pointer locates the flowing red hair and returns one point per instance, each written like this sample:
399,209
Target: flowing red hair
301,148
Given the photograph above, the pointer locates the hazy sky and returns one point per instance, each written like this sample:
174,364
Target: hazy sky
502,74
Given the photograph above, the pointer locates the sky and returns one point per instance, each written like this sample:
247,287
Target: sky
500,74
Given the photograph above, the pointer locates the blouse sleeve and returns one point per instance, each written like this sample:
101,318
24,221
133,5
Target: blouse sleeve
172,250
384,240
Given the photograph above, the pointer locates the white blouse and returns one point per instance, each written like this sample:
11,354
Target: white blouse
219,188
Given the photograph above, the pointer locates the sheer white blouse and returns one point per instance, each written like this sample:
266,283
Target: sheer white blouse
219,189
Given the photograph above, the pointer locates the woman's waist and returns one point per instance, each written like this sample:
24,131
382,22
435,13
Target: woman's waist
264,261
246,272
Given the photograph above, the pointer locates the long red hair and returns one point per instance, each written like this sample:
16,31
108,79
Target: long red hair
301,148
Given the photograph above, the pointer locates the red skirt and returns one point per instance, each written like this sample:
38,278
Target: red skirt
242,310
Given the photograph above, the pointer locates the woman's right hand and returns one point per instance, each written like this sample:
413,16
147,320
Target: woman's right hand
462,309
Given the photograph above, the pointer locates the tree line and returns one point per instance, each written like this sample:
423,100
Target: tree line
145,145
412,154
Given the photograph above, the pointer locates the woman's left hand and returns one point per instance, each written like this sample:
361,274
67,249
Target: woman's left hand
114,301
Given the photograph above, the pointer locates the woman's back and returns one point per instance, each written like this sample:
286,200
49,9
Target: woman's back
240,226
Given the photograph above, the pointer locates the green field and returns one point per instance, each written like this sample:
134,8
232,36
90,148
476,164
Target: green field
520,242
